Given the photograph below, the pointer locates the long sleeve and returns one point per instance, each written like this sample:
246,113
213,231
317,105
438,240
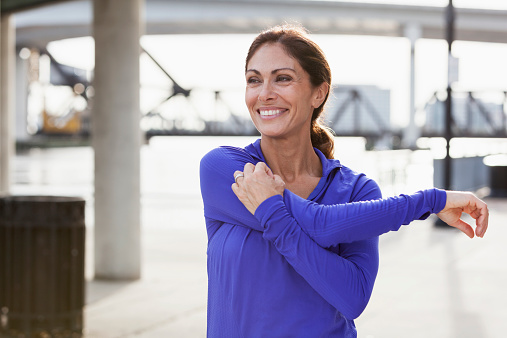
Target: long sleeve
216,177
345,281
266,269
329,225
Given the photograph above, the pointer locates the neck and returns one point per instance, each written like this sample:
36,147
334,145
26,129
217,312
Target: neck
292,158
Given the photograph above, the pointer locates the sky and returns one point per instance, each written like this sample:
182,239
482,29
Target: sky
196,63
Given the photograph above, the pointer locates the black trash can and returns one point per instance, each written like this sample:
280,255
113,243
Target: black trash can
42,251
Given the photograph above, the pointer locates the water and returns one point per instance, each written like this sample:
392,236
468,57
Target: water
170,171
169,165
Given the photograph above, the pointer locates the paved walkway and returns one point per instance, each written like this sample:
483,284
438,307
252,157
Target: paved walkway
169,300
433,282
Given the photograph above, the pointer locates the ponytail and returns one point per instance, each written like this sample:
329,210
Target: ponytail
322,138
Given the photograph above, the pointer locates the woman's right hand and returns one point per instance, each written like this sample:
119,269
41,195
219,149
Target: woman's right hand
458,202
256,184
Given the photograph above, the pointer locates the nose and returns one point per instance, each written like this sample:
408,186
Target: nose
267,93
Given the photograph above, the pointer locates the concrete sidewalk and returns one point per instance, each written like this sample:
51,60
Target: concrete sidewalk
433,282
436,282
170,299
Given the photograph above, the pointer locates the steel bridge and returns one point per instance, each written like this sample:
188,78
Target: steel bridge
473,118
66,19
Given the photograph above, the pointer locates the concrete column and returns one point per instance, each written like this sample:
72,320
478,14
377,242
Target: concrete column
117,138
411,133
7,99
22,83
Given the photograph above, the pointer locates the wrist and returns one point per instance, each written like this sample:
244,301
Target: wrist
264,209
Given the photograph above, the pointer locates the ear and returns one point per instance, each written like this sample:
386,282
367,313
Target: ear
319,94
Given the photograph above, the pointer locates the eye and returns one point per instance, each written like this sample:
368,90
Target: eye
283,78
252,80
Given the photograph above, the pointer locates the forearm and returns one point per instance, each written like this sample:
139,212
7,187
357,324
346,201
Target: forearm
329,225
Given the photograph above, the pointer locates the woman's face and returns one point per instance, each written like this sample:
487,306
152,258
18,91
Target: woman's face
279,95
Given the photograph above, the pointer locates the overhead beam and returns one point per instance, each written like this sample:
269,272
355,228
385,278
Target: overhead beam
74,18
12,6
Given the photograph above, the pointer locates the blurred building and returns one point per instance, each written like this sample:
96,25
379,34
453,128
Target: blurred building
359,109
471,116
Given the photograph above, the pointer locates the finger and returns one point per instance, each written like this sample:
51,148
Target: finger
482,223
269,172
481,216
479,231
239,192
235,188
261,166
248,169
238,175
278,179
280,183
485,219
475,214
464,227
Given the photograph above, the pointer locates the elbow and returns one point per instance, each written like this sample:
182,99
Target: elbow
353,311
359,299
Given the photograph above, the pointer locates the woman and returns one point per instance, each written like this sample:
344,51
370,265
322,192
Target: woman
270,275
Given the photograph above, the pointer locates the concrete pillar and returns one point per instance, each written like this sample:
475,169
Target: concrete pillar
413,32
22,83
117,138
7,99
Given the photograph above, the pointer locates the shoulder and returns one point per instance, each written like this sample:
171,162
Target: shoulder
226,153
361,187
225,159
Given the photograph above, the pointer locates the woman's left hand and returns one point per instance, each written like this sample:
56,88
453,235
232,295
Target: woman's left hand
257,184
459,202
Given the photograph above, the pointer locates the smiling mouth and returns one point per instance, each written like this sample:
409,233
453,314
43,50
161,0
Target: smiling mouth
270,112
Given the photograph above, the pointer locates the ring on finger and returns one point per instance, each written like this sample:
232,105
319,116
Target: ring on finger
238,176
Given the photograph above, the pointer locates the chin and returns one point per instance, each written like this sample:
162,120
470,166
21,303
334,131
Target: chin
272,134
269,131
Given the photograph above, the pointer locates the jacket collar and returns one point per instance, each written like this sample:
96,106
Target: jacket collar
328,165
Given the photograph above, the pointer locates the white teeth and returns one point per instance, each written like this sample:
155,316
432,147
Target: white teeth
269,112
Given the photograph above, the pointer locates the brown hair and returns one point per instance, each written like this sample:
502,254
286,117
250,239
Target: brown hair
298,45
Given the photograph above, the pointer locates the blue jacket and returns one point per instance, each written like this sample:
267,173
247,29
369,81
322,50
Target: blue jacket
297,268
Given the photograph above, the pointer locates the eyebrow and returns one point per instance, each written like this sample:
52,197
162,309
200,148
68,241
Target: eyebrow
272,72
